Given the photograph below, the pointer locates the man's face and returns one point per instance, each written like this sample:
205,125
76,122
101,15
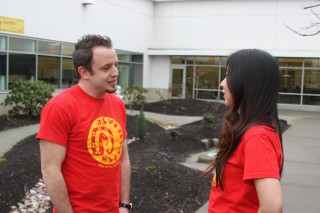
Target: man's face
105,72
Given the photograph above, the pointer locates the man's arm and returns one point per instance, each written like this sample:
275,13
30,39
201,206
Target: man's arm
125,176
269,194
52,155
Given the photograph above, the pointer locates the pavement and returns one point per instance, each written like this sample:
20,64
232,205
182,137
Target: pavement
8,138
301,173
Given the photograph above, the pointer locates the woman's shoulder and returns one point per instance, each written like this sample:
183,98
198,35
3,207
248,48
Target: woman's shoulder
259,130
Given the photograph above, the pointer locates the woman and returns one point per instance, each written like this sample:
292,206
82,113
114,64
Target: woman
249,160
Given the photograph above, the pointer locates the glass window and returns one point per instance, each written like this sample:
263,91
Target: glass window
68,73
137,74
207,60
67,49
206,77
223,61
189,82
137,58
290,62
3,43
124,75
22,45
49,47
190,60
21,66
290,80
177,77
311,81
3,68
312,63
177,60
49,70
289,99
311,100
123,57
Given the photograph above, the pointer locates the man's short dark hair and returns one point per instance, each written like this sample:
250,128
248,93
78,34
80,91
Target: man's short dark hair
82,55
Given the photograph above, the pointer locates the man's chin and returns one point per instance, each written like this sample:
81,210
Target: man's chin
111,90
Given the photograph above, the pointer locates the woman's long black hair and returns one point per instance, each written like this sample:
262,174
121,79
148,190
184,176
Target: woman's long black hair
253,81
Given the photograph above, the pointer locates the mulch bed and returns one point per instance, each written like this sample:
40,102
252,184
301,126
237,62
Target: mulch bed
159,183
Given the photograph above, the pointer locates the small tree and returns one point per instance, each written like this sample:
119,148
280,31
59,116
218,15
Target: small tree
135,94
28,97
141,127
208,118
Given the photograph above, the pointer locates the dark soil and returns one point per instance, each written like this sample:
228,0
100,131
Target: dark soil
159,183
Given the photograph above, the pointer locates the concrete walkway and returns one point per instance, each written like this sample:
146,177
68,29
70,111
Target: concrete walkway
301,173
166,121
8,138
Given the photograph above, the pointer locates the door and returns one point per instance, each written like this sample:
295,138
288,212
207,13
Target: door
178,76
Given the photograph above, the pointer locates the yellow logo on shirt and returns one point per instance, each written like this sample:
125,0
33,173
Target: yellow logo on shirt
214,181
105,141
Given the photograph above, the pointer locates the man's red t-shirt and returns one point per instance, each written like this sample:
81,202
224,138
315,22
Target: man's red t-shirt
259,155
93,131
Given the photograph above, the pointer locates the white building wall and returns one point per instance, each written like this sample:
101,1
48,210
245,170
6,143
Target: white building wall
129,23
228,25
165,28
157,81
160,72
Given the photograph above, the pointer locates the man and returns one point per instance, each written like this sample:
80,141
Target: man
82,136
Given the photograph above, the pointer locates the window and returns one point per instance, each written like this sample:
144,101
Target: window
124,75
52,48
21,66
68,73
290,62
49,70
209,60
290,80
3,43
67,49
123,57
137,73
130,68
22,45
3,68
177,60
311,81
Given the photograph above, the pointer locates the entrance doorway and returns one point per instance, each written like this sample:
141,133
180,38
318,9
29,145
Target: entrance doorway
178,81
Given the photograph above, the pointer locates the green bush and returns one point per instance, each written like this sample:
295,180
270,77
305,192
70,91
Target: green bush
141,128
3,160
135,94
28,97
208,118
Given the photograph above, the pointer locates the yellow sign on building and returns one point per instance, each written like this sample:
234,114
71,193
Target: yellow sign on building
11,25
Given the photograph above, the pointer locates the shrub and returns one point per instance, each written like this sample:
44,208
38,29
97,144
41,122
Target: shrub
141,127
3,160
208,118
152,169
135,94
28,97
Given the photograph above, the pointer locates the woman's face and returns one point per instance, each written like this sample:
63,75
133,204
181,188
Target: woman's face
228,100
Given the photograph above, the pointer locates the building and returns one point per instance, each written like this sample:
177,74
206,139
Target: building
173,48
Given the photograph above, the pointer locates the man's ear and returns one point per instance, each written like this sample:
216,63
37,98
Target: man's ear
84,73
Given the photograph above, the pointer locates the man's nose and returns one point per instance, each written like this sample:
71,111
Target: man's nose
115,72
